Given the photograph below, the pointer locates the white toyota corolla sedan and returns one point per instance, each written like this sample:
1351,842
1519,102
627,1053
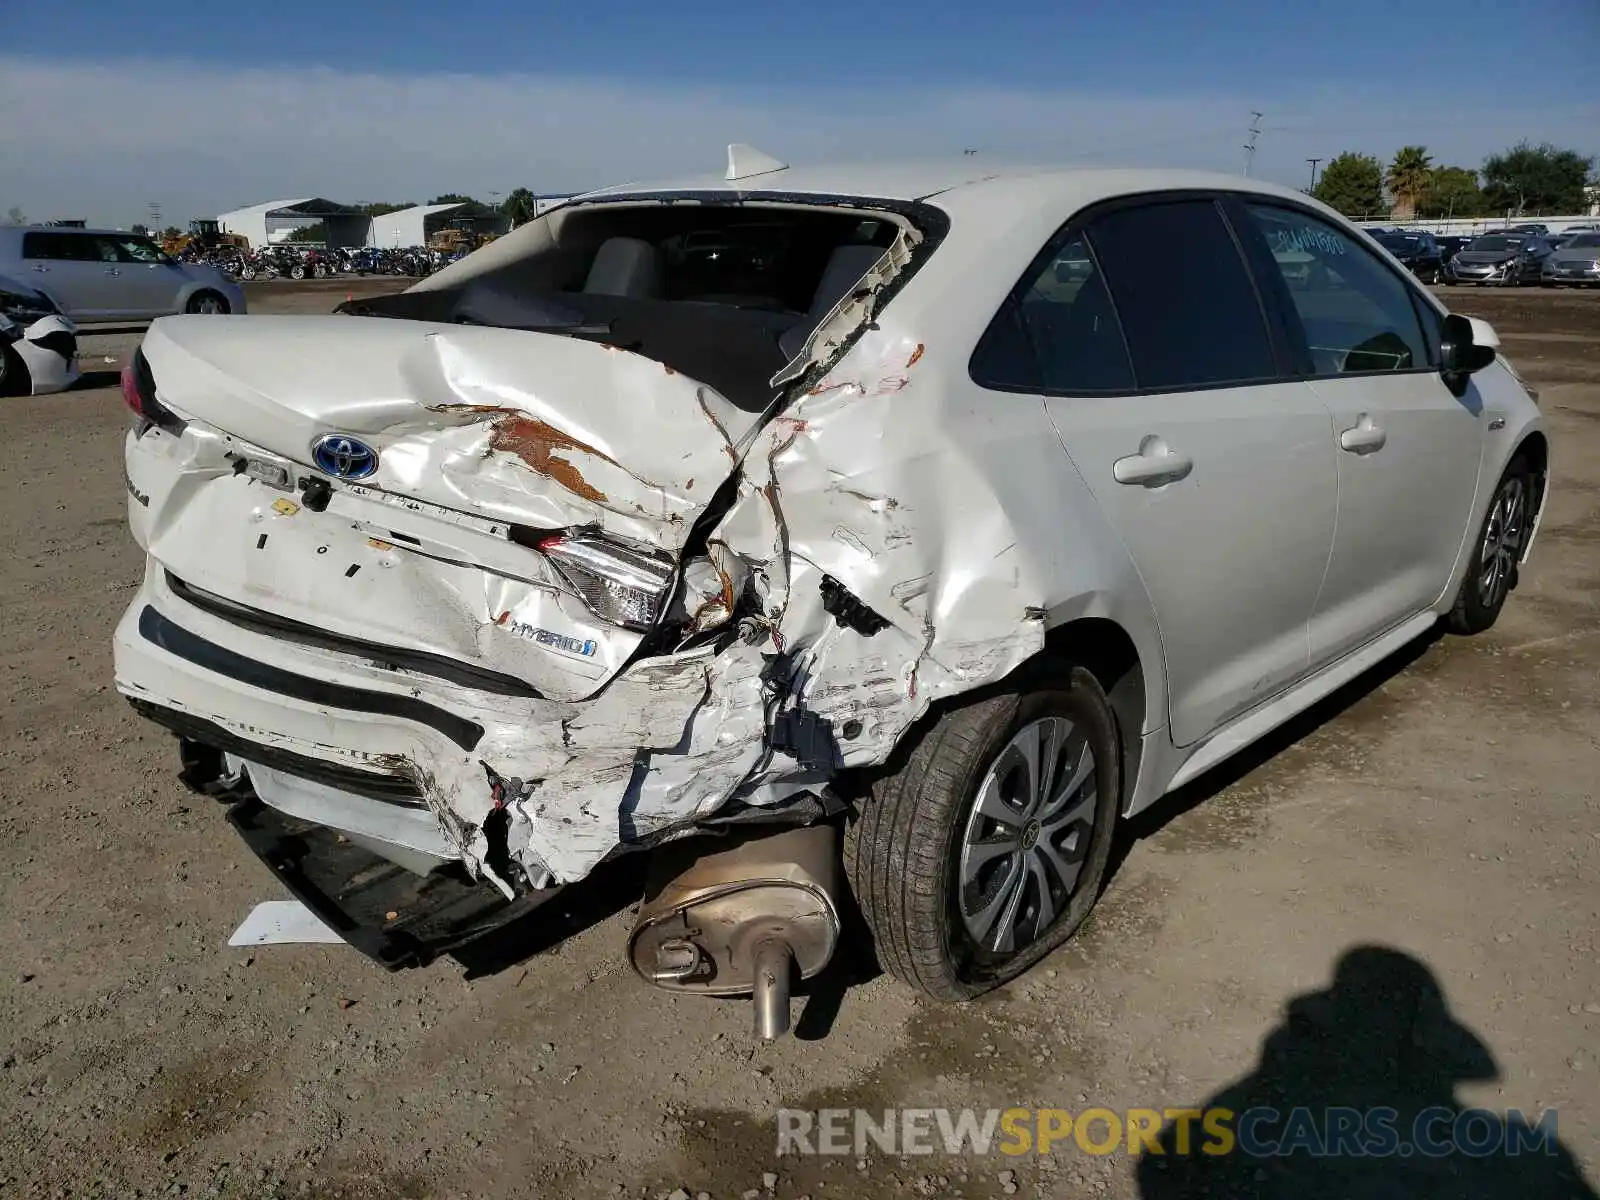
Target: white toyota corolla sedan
946,511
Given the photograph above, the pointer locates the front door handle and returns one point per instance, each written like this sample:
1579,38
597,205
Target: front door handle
40,267
1154,465
112,271
1364,437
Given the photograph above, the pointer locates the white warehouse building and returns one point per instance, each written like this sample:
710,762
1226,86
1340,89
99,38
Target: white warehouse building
409,226
272,222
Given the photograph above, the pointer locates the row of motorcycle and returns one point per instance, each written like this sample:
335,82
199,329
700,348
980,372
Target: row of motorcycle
293,262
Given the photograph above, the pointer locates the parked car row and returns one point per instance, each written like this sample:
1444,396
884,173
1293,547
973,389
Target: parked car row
1511,257
1519,257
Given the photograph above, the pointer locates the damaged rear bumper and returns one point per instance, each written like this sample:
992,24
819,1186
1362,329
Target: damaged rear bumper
392,915
352,741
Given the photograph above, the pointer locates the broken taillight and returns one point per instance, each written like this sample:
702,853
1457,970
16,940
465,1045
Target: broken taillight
139,394
619,583
130,390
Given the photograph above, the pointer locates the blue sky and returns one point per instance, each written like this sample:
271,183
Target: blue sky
200,107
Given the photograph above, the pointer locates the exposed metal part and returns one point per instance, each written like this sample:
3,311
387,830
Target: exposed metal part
724,920
848,611
770,995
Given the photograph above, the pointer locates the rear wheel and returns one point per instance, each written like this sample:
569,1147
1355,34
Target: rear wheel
986,849
211,303
1492,570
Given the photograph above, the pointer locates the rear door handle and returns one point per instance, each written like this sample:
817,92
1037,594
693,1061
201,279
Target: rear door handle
1154,465
40,267
1364,437
112,271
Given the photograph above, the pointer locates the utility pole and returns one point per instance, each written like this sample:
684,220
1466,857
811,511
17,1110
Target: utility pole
1313,162
1250,147
154,208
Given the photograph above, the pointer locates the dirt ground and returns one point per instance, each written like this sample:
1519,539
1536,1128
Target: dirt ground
1443,809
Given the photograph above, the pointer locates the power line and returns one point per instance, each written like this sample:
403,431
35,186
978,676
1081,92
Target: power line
1250,146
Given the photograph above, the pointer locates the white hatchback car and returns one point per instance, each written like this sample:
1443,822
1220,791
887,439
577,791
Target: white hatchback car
110,275
981,508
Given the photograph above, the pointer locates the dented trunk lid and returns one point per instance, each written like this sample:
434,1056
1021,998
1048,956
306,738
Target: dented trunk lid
536,428
476,430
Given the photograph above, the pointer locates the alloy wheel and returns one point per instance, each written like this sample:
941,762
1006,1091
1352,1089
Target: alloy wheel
1503,535
1027,836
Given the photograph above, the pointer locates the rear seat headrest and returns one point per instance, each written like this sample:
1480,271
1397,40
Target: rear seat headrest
625,266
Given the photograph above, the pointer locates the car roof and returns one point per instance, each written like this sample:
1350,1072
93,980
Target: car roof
923,180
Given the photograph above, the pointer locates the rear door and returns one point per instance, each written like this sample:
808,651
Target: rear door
1168,386
1408,449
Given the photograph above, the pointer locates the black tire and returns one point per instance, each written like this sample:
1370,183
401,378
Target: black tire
1483,594
15,378
903,853
202,301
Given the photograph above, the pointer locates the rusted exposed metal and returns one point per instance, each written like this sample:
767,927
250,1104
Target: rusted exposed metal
537,444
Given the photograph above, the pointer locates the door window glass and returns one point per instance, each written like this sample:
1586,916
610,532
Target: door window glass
1067,315
136,250
1187,304
1059,333
1357,314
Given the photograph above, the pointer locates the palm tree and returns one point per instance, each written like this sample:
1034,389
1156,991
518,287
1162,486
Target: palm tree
1409,177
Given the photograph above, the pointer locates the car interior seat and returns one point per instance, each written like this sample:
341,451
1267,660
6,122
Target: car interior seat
625,266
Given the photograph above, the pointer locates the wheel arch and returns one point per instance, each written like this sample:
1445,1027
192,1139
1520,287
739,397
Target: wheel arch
1535,449
1108,652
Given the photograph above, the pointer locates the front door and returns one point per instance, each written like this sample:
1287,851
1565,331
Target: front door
149,281
1408,449
1165,384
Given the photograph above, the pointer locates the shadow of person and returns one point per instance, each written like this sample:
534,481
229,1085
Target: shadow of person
1354,1096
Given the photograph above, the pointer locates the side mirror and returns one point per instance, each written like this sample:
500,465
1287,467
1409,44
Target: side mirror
1461,353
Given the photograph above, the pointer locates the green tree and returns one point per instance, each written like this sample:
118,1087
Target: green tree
1410,176
315,232
15,216
1353,184
378,208
1453,193
1536,179
520,207
471,207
